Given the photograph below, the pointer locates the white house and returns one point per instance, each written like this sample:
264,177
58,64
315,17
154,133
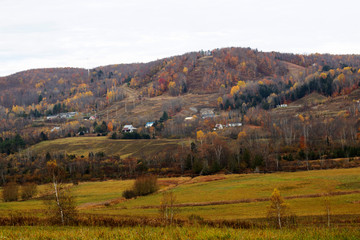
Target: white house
55,129
218,126
52,117
149,124
189,118
234,125
128,128
281,105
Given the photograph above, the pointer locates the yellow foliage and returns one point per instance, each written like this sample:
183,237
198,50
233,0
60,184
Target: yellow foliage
83,86
332,72
219,100
51,164
18,109
39,84
241,84
234,90
341,77
323,75
241,135
260,82
185,70
61,81
172,84
200,135
301,118
133,82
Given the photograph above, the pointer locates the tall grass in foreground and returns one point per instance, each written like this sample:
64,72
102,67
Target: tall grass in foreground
174,233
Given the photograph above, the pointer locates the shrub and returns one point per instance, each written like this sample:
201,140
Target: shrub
28,190
195,219
128,194
11,192
114,135
145,185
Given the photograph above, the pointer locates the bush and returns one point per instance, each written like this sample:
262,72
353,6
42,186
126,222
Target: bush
11,192
114,135
28,190
145,185
195,219
128,194
135,135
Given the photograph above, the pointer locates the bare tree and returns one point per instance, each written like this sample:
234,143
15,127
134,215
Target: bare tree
61,204
167,207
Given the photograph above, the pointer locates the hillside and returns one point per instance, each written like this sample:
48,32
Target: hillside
235,110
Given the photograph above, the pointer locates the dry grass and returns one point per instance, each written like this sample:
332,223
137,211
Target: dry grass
220,196
180,233
111,147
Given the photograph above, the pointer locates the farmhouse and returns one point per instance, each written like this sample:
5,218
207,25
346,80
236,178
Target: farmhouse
218,126
128,128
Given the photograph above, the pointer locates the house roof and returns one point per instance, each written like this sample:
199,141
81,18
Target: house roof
129,127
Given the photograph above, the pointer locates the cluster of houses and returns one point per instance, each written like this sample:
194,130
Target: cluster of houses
131,128
62,115
281,105
221,126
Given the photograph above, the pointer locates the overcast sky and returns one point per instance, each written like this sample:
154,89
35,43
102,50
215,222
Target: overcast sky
88,33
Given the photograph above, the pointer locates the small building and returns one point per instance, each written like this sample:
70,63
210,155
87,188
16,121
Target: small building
207,113
128,128
281,106
234,125
149,124
92,118
52,117
68,115
189,118
218,126
55,129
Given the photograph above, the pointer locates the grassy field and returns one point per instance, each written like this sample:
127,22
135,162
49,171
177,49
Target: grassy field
219,197
174,233
111,147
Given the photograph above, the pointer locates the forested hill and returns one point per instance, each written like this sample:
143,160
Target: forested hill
243,77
